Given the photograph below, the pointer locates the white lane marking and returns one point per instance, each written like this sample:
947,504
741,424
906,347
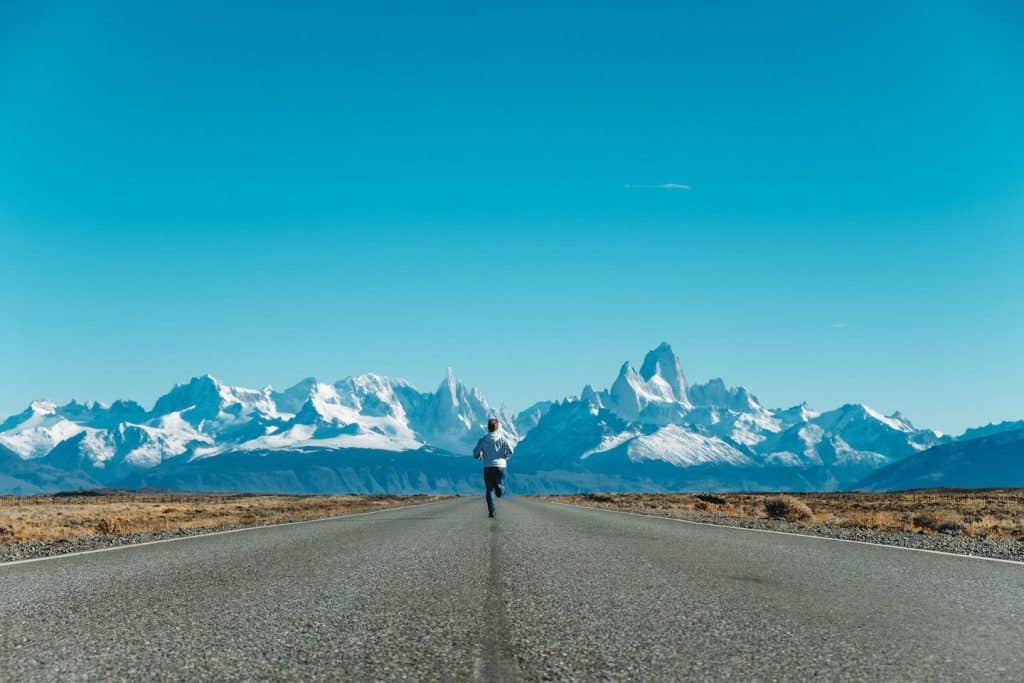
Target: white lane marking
787,533
129,546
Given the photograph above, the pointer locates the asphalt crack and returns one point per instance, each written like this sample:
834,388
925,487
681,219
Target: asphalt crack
499,663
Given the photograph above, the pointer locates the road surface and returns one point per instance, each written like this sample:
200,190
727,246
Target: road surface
544,591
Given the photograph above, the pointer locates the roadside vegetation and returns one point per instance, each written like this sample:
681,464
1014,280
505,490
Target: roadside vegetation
65,517
984,514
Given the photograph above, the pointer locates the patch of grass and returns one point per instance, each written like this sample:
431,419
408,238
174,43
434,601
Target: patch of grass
48,518
880,520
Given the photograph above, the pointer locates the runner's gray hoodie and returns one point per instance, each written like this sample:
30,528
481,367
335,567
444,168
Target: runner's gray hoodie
494,449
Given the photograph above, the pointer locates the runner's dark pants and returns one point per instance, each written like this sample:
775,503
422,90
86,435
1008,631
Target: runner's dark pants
494,477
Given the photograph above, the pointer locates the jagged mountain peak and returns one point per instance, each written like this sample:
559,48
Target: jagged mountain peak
449,388
589,395
201,389
990,429
663,362
657,392
292,399
715,392
209,405
650,414
455,392
851,412
42,407
797,414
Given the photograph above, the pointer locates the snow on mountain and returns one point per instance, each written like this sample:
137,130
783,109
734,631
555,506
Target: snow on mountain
658,417
650,429
101,416
811,445
305,437
647,400
569,432
847,442
214,408
34,432
205,418
747,429
454,416
527,419
674,444
867,429
129,445
357,412
610,442
291,400
715,393
662,368
657,394
684,448
167,436
594,399
798,414
145,444
721,420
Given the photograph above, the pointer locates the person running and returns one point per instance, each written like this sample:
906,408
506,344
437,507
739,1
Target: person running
495,450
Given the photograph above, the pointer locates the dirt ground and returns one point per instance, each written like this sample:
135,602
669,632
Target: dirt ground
989,513
51,518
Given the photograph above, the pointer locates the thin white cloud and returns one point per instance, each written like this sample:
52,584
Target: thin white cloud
838,326
662,186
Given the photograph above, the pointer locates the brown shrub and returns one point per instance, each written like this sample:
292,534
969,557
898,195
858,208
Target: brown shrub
787,507
599,497
108,526
711,498
939,521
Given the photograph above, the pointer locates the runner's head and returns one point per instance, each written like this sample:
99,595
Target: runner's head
492,424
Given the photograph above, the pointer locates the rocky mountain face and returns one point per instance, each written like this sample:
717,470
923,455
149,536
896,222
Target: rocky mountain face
992,459
200,426
650,429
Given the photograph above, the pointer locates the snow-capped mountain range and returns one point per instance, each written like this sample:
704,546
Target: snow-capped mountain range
649,430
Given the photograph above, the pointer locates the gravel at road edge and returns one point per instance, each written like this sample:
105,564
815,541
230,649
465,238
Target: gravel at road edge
30,550
948,543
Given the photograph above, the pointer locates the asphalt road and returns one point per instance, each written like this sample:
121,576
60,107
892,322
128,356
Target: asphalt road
543,592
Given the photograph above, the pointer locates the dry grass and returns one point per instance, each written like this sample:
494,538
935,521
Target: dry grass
51,518
990,513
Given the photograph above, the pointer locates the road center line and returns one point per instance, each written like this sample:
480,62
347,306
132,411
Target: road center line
500,665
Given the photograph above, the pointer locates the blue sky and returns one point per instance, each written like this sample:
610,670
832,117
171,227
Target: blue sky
266,193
